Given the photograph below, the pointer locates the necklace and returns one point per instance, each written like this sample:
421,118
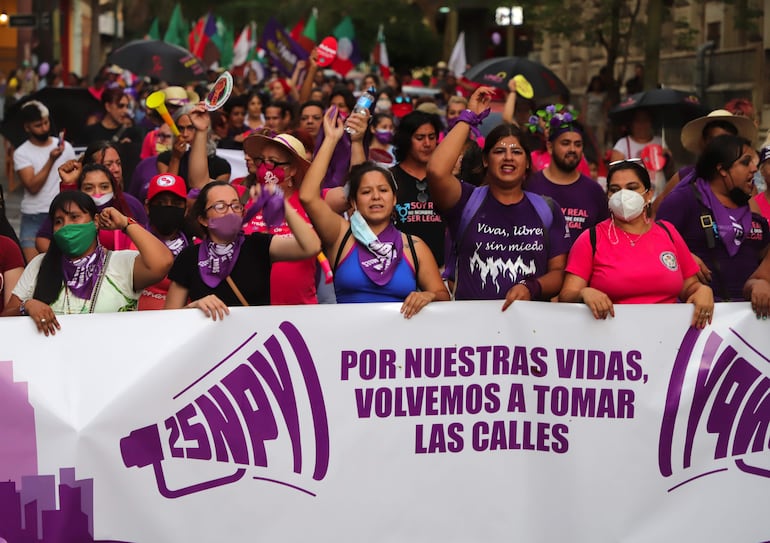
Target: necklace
631,240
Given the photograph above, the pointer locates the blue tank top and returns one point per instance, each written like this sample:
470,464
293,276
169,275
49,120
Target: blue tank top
352,286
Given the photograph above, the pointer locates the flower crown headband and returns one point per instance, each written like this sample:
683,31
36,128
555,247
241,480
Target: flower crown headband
557,119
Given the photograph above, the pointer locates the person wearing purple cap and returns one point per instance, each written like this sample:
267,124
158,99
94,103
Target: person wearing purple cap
510,244
582,200
718,226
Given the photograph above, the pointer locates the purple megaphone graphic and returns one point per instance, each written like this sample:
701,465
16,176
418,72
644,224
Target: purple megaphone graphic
143,448
260,391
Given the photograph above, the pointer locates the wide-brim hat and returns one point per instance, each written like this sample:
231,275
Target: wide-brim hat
179,96
254,144
692,132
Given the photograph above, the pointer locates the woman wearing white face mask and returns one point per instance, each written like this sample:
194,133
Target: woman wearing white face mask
630,259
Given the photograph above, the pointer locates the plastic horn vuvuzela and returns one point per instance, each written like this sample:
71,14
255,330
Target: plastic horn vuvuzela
157,101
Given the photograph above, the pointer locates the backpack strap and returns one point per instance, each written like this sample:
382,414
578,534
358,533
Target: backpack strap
592,237
544,207
471,208
665,228
345,239
709,226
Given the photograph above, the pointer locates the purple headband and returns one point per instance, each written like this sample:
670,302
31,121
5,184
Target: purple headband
568,127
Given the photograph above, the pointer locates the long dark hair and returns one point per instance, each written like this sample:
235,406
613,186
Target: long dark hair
50,276
722,151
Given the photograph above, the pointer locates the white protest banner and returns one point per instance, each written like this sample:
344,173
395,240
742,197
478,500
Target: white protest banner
349,423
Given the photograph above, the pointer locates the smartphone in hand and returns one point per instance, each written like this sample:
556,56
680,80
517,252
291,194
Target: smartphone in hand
61,138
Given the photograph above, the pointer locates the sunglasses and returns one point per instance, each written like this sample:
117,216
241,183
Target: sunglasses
627,160
403,100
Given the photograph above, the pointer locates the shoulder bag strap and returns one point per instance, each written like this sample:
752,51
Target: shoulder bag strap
237,291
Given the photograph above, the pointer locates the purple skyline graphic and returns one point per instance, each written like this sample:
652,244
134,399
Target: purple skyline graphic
28,511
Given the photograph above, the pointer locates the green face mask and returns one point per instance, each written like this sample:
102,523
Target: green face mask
75,239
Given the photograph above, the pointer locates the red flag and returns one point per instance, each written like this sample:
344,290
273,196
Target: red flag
298,35
201,34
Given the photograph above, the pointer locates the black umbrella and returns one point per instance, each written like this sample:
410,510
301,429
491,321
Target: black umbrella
496,72
158,59
69,107
668,106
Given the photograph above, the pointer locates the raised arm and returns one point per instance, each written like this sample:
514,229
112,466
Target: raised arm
307,84
509,109
304,242
329,225
445,188
154,258
198,172
359,124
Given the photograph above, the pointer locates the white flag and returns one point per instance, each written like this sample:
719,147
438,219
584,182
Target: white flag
242,46
457,60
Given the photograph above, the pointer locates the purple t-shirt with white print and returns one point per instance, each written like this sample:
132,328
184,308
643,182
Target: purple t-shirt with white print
503,245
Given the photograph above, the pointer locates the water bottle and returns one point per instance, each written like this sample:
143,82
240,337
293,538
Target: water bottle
363,105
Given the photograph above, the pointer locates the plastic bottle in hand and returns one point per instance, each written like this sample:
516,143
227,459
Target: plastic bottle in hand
363,105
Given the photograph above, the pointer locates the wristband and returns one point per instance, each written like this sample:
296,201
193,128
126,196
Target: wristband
533,286
129,222
23,309
473,119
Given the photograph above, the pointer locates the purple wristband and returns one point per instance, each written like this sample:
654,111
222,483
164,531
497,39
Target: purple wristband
533,286
473,119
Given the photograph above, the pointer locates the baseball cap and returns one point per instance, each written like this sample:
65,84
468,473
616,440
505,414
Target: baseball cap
166,182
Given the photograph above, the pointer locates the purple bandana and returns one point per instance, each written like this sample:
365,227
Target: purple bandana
271,206
473,119
177,244
216,261
733,224
380,257
81,275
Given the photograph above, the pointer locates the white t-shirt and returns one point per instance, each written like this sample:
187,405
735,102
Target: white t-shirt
627,143
29,154
116,293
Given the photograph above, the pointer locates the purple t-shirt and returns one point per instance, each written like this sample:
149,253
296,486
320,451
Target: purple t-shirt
583,202
681,209
503,245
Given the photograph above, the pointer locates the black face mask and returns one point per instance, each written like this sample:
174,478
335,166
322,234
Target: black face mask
738,197
166,219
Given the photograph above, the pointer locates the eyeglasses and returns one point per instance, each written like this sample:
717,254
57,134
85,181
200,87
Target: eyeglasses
185,127
627,160
221,207
161,136
122,105
269,163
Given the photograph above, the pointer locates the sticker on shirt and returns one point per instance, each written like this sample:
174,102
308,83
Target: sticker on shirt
669,260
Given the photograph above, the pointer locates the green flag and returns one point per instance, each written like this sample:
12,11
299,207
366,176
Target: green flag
154,32
177,30
310,30
224,39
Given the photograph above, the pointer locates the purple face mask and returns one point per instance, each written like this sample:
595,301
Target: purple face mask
226,227
383,136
